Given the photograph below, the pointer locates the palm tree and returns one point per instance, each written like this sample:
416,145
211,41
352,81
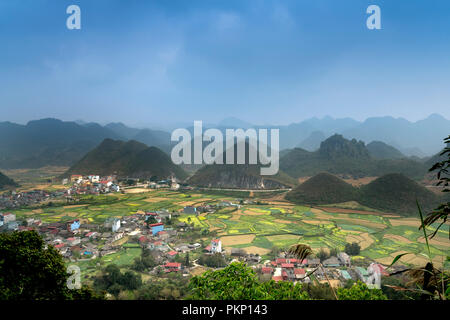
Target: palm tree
301,252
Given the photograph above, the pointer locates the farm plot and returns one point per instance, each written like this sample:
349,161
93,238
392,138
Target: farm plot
236,240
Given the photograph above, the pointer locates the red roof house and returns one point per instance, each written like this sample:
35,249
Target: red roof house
266,270
143,239
172,266
277,278
299,271
156,224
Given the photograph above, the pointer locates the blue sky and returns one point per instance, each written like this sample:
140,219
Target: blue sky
153,62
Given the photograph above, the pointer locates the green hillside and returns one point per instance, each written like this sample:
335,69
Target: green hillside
6,182
127,159
380,150
396,193
390,193
338,155
239,176
323,188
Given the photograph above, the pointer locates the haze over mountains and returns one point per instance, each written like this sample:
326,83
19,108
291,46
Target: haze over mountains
127,159
54,142
338,155
420,138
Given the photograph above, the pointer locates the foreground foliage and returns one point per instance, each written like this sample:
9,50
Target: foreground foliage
360,291
30,270
239,282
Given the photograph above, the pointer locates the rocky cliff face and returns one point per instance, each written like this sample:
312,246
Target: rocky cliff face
336,147
234,177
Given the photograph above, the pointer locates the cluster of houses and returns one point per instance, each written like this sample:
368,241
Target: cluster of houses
84,240
335,270
13,199
164,184
91,184
8,222
78,185
209,208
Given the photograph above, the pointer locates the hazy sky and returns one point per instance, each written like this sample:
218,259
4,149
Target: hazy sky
262,61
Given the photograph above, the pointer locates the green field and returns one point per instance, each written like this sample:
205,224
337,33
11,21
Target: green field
260,227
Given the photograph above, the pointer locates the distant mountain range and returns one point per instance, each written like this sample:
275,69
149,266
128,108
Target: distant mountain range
127,159
390,193
55,142
48,142
338,155
421,138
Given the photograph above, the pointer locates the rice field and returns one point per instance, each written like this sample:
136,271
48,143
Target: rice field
258,228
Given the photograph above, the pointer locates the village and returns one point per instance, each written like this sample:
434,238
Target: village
161,234
75,185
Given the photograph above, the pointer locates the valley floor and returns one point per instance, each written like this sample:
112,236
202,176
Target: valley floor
256,224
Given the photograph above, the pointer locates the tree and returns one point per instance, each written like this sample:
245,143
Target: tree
322,255
114,281
274,252
319,291
151,220
440,214
187,262
360,291
212,261
144,262
394,289
131,281
333,252
163,289
30,270
352,249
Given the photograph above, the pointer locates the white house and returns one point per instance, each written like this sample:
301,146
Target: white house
9,217
115,225
94,179
344,259
118,236
216,246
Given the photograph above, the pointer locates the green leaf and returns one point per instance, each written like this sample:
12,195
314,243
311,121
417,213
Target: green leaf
424,231
398,258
